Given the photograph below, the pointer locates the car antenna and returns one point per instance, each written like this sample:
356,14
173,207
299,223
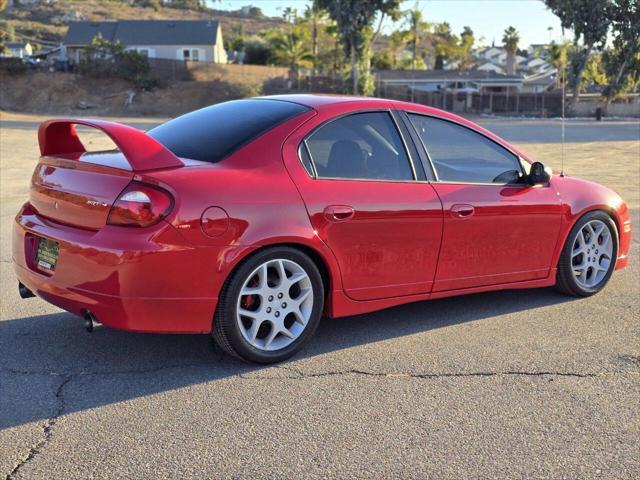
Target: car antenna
562,123
564,86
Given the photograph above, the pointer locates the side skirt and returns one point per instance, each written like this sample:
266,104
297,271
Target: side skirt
342,306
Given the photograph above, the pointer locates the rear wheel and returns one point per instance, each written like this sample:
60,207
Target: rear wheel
589,255
270,306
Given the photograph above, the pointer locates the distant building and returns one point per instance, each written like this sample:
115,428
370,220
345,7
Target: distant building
494,59
538,49
18,49
491,67
456,81
540,82
189,40
468,81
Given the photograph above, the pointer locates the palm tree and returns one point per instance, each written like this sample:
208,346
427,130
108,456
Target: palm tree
292,50
397,43
444,43
510,41
464,50
315,17
416,31
558,55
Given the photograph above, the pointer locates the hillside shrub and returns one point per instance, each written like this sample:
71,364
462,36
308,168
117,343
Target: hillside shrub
110,59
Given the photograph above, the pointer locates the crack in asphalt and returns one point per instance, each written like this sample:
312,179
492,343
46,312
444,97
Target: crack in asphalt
77,373
355,372
47,429
298,373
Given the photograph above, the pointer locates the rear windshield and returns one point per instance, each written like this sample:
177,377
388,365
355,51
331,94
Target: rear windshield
212,133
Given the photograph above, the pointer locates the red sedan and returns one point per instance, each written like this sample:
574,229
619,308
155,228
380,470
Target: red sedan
251,219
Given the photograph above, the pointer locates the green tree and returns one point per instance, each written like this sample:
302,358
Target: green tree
417,29
465,51
155,4
444,44
234,40
105,58
354,20
397,43
315,18
622,61
382,60
510,41
291,49
558,56
590,21
337,52
257,51
186,4
594,72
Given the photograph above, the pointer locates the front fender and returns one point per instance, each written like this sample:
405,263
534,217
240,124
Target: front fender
580,196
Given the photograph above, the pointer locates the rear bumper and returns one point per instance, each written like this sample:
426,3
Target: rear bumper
143,280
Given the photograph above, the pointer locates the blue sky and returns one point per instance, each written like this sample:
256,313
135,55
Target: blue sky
487,18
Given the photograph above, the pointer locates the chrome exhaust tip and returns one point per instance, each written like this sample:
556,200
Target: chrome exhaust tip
24,291
90,321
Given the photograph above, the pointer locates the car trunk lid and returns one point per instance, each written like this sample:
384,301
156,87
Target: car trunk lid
74,187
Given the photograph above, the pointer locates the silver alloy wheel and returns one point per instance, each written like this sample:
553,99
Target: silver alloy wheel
592,253
275,304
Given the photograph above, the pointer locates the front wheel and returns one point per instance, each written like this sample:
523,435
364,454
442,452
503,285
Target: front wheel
589,255
270,306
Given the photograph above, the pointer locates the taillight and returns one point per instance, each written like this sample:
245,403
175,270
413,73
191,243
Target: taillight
140,205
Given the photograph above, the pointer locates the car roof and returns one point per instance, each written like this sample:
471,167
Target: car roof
320,100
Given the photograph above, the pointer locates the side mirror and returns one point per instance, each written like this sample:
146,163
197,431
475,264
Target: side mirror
539,174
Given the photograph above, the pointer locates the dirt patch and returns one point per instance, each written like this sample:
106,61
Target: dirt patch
65,93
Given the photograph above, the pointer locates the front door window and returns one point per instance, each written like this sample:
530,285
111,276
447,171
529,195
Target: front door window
459,154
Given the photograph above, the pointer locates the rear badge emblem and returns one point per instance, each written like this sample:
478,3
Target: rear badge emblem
95,203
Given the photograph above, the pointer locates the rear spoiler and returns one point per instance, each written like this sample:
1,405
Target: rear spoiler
59,137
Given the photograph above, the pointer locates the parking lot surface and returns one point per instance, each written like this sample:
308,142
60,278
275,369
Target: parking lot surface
515,384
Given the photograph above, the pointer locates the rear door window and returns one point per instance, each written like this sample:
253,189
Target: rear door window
361,146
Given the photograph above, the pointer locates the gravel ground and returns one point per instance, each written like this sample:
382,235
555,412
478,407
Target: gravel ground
516,384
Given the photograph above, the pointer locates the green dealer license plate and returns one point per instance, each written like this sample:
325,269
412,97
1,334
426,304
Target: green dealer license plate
47,254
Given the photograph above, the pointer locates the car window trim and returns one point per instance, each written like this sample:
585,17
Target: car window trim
314,172
417,166
450,182
389,112
426,166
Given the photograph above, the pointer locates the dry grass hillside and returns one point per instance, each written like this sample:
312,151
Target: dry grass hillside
69,94
47,21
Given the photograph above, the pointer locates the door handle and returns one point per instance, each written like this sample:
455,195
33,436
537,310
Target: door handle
338,213
462,210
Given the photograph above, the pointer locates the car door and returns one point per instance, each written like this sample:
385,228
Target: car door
497,228
367,202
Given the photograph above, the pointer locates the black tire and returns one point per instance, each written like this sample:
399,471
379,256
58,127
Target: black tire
226,331
566,281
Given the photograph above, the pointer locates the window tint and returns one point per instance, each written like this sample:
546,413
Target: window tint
462,155
360,146
212,133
